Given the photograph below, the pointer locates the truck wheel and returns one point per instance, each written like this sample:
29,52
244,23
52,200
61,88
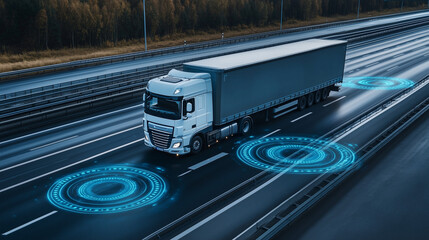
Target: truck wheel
310,99
245,125
196,144
302,103
317,96
325,93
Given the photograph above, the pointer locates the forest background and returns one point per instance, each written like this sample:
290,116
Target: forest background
34,29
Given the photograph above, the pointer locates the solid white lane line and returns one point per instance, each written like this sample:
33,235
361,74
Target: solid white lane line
199,224
224,209
67,149
71,165
278,206
29,223
184,173
52,143
69,124
207,161
271,133
303,116
336,100
209,218
390,69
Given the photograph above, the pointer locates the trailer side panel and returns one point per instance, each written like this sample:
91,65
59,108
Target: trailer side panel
249,89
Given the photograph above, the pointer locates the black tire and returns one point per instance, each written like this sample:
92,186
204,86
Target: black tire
310,99
325,93
302,103
317,96
196,144
245,126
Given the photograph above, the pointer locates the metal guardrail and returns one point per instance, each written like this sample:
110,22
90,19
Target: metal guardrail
45,89
60,85
175,49
106,81
287,216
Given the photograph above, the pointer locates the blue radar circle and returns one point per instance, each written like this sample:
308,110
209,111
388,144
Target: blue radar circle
374,83
106,190
295,155
98,189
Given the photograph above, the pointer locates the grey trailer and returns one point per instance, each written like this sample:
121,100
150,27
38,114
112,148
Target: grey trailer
249,82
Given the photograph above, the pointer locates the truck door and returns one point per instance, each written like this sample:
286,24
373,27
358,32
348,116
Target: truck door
190,124
200,111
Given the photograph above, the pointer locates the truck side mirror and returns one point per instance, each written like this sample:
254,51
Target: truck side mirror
189,107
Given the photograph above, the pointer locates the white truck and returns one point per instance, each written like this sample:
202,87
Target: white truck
215,98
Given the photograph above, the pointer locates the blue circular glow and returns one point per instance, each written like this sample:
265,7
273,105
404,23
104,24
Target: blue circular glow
295,155
277,153
89,189
383,83
107,190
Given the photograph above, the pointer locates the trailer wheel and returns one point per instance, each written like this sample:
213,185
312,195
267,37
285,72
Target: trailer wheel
302,103
196,144
317,96
245,126
325,93
310,99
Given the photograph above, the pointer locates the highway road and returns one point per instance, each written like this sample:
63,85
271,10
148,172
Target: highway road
82,73
386,199
31,164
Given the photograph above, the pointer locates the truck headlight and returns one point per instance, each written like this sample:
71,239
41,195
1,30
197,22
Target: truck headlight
177,145
146,137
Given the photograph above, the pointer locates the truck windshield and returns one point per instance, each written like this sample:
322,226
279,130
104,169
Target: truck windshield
163,106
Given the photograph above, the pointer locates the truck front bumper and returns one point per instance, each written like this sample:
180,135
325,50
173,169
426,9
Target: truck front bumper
180,150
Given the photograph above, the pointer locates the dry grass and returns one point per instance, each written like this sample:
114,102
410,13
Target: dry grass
10,62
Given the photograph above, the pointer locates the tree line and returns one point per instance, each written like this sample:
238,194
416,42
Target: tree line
52,24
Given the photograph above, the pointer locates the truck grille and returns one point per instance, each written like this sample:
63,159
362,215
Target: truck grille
160,136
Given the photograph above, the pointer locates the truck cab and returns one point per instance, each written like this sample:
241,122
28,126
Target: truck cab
177,107
215,98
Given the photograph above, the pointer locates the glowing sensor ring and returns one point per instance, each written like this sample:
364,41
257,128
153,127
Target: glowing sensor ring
88,189
295,155
383,83
106,190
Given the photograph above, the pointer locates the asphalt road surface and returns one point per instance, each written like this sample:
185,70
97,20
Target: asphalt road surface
31,164
385,199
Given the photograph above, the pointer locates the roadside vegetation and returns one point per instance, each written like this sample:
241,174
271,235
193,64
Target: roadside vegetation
43,32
